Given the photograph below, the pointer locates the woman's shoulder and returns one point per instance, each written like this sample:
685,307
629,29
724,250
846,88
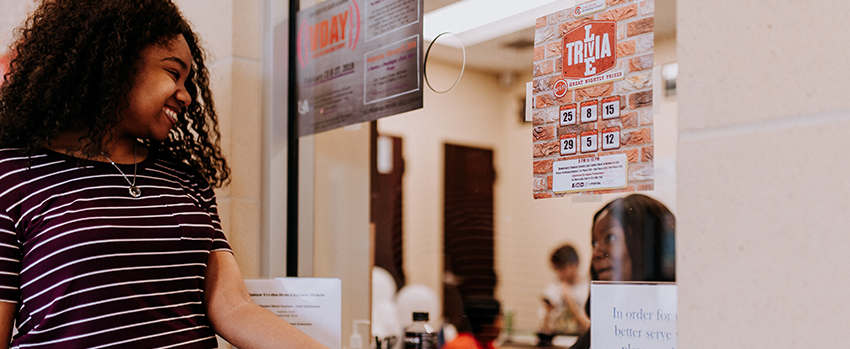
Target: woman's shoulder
8,154
14,159
21,173
167,164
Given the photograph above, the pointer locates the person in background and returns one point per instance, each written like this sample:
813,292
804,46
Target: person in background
633,240
563,301
109,153
484,316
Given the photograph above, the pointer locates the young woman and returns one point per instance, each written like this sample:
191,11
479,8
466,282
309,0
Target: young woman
109,232
633,240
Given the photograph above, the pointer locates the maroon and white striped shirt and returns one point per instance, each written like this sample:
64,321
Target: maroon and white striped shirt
92,267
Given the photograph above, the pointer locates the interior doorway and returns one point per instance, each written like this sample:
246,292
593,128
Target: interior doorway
387,171
468,266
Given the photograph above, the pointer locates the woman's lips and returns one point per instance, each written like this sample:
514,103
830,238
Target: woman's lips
600,271
171,114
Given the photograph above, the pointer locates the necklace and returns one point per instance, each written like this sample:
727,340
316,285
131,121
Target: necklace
134,190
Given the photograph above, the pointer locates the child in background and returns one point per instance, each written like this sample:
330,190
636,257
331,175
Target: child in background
564,300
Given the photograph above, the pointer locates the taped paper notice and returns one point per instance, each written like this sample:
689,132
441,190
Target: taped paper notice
633,315
312,305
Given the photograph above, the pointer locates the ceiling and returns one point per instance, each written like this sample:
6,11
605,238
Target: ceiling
513,53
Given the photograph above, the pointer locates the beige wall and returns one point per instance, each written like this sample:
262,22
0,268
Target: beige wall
762,167
231,32
12,14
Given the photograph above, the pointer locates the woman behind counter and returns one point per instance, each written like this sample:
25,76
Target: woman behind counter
109,231
633,240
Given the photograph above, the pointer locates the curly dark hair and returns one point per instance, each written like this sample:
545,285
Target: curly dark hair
74,64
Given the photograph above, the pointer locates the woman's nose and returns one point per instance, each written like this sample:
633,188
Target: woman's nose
598,251
183,97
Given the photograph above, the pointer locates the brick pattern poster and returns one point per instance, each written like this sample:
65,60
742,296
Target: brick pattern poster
592,88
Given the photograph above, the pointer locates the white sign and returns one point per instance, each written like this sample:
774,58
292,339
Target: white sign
591,173
312,305
633,315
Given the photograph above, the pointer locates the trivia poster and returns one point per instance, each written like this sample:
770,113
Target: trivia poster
357,60
592,98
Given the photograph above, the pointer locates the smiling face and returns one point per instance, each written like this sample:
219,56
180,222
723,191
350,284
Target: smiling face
158,95
610,259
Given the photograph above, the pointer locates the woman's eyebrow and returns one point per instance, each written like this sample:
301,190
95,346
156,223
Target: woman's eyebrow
178,60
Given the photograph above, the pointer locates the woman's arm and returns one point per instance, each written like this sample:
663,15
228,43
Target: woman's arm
7,318
236,317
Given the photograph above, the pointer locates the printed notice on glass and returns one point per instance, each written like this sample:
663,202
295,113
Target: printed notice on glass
312,305
592,98
357,61
590,173
633,315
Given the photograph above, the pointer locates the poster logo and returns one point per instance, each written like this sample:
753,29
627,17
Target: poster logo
560,88
589,49
328,34
590,7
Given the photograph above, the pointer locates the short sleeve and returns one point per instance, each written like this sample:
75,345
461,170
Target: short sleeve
10,261
209,204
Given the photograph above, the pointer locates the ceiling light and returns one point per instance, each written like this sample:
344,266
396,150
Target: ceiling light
476,21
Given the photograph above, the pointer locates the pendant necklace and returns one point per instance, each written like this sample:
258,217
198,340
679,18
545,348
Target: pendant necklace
134,190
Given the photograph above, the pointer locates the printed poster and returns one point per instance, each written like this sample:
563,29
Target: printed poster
633,315
357,60
312,305
592,99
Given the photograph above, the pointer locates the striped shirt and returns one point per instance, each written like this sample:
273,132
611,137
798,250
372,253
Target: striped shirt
92,267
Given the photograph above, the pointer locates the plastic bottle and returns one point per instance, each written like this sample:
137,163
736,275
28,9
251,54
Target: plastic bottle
355,341
420,335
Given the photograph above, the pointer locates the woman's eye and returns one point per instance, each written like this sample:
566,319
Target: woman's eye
610,238
175,74
594,243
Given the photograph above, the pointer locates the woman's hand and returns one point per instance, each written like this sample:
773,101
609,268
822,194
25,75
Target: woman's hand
7,319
